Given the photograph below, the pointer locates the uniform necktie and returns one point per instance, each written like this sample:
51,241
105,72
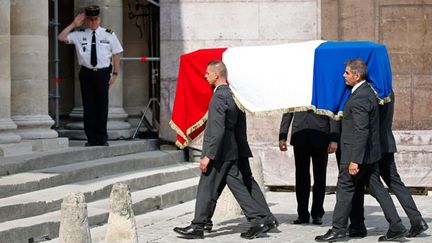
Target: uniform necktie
93,58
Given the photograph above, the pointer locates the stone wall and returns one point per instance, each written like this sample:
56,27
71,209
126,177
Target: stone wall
188,25
404,26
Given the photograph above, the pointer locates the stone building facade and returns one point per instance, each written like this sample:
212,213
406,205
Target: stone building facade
27,42
402,25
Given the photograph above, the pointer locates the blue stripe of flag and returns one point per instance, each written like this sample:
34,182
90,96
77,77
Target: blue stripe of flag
329,89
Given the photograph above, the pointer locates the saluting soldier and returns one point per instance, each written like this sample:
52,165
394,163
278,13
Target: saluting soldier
95,47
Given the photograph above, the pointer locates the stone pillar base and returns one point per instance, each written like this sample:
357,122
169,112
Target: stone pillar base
15,149
34,126
6,134
48,144
116,130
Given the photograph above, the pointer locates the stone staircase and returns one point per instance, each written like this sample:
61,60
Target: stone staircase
32,186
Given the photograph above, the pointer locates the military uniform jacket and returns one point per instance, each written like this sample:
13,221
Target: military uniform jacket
309,129
219,142
107,45
360,138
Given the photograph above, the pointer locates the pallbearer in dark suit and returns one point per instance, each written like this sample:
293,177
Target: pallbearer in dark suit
389,173
248,180
313,136
360,146
219,162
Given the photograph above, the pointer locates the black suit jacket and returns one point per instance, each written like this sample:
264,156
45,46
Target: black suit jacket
388,143
219,142
241,136
360,138
309,129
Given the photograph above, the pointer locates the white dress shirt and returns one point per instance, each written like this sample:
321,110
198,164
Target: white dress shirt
107,45
356,86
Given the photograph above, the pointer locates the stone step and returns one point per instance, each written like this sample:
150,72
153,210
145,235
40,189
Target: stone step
60,175
47,200
147,200
76,153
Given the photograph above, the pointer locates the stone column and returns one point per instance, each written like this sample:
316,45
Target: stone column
29,69
118,128
7,126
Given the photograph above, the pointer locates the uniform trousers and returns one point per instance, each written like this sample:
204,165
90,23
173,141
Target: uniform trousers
346,186
211,185
302,156
94,91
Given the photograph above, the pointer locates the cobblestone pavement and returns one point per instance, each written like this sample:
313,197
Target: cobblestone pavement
156,227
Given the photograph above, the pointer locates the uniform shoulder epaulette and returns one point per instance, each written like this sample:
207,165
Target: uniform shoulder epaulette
109,31
82,30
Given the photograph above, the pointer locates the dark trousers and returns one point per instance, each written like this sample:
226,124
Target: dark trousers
256,195
346,187
94,92
302,156
357,212
254,189
389,174
210,187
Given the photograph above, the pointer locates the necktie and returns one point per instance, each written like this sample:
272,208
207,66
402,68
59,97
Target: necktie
93,58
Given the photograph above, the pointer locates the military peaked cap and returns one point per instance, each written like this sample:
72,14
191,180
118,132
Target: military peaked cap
92,10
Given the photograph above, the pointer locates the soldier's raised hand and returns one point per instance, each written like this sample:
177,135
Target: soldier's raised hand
79,20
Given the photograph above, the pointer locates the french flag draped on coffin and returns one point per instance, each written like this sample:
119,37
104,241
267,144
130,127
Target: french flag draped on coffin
288,77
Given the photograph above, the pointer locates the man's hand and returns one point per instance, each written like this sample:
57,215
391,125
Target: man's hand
204,163
112,80
353,168
79,20
332,147
283,145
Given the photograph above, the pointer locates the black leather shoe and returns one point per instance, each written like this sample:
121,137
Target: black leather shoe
317,221
393,235
190,232
272,225
332,236
254,231
208,227
357,233
103,144
301,221
88,144
418,229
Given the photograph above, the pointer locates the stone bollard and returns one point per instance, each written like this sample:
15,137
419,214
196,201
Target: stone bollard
227,206
257,172
121,222
74,227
